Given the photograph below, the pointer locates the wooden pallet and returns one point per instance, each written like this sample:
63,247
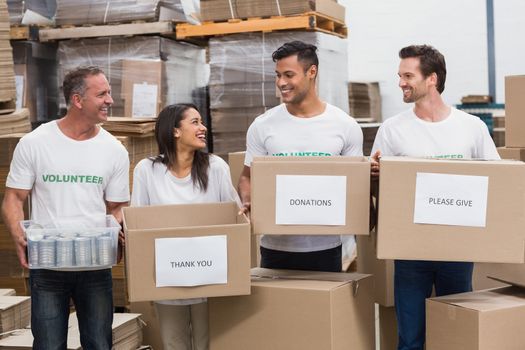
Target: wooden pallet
75,32
24,32
306,21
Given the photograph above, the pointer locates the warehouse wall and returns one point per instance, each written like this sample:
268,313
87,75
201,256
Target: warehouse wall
458,29
509,39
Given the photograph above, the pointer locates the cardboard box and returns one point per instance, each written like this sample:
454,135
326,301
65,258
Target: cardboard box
296,310
388,337
484,274
137,75
143,225
265,194
382,271
515,111
236,163
512,153
500,240
483,320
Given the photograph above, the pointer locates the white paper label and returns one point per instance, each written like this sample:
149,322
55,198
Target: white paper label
310,200
191,261
19,81
144,101
446,199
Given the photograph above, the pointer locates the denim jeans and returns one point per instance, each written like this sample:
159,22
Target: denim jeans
328,260
413,282
92,294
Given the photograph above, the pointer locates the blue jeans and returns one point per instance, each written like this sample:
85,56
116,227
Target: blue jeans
328,260
413,281
92,294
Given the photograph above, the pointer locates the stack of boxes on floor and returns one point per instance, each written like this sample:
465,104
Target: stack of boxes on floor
242,79
365,106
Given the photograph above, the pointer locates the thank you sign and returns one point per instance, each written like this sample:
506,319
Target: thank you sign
191,261
310,200
448,199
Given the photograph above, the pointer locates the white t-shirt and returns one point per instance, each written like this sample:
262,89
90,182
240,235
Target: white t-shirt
69,178
154,184
459,136
279,133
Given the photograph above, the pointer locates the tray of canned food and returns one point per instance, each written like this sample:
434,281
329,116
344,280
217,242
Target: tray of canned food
76,243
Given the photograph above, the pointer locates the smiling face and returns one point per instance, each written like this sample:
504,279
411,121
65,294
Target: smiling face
412,82
293,81
191,132
96,100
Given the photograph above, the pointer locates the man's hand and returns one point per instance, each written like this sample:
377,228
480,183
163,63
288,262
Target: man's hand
21,250
245,209
374,163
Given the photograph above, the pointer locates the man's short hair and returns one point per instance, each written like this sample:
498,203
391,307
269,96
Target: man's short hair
74,80
306,53
430,61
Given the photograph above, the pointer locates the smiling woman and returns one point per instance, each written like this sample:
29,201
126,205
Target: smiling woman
182,173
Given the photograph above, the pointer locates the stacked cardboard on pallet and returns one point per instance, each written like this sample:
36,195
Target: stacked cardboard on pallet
219,10
36,77
77,12
15,122
15,313
145,72
242,80
365,101
7,73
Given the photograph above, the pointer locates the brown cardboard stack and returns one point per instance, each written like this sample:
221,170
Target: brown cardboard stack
242,80
296,310
15,122
369,135
218,10
146,73
103,11
119,11
15,313
365,100
127,334
514,117
36,78
11,272
7,73
151,328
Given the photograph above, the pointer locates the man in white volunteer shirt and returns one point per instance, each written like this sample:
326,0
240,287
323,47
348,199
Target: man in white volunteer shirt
429,129
303,125
72,167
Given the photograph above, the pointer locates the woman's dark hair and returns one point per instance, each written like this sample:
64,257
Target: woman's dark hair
169,119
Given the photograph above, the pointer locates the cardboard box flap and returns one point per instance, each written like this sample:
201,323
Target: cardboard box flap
470,161
343,277
486,300
519,284
311,159
204,214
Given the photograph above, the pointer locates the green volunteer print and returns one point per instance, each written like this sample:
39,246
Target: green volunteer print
302,154
81,179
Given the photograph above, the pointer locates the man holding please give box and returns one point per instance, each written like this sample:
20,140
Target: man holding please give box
429,129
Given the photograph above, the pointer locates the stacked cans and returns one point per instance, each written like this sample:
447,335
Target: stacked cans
71,250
